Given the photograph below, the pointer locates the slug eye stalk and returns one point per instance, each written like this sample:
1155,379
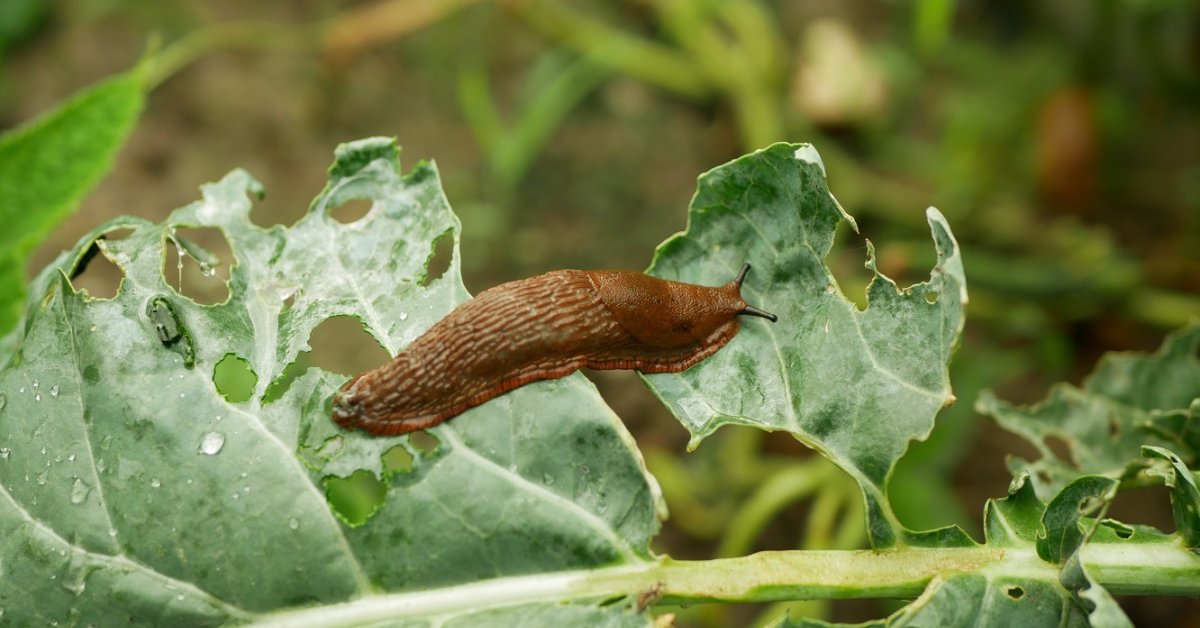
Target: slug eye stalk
750,310
741,276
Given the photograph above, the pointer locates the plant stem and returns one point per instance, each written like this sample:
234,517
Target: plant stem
771,576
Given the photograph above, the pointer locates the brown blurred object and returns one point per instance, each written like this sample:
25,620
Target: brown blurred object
362,27
1068,151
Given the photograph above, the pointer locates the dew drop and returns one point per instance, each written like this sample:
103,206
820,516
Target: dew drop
4,453
37,397
155,483
548,479
245,489
21,390
212,443
293,523
92,328
41,478
403,316
43,451
112,532
54,390
71,458
182,395
235,496
35,384
79,491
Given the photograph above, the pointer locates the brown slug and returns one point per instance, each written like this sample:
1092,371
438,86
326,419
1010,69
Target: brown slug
543,327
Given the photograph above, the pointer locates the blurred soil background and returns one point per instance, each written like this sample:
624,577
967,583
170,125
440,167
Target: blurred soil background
1060,139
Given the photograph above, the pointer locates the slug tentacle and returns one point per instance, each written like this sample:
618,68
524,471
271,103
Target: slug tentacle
544,327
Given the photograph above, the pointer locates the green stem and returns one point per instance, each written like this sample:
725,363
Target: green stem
197,44
771,576
784,487
613,48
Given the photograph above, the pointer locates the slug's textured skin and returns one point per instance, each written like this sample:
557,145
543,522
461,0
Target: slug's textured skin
543,327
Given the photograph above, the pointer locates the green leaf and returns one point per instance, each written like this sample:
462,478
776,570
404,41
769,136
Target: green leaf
1185,496
1130,401
1061,542
858,386
49,164
130,487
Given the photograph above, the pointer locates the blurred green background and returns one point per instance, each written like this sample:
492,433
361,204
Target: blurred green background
1060,139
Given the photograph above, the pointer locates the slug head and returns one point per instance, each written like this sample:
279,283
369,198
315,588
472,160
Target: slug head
671,314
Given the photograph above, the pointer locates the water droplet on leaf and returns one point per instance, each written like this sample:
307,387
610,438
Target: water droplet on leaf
403,316
293,523
212,443
54,390
79,491
3,453
41,478
155,483
37,397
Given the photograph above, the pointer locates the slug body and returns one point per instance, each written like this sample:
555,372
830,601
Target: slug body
544,327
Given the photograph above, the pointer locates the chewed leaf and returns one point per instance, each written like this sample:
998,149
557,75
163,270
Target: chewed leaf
856,385
1132,400
1185,496
138,483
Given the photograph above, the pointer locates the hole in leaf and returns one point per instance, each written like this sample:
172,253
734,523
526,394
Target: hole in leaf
1122,530
234,378
1014,592
439,258
341,344
277,388
352,210
397,460
197,263
95,273
355,498
1061,449
931,297
424,442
